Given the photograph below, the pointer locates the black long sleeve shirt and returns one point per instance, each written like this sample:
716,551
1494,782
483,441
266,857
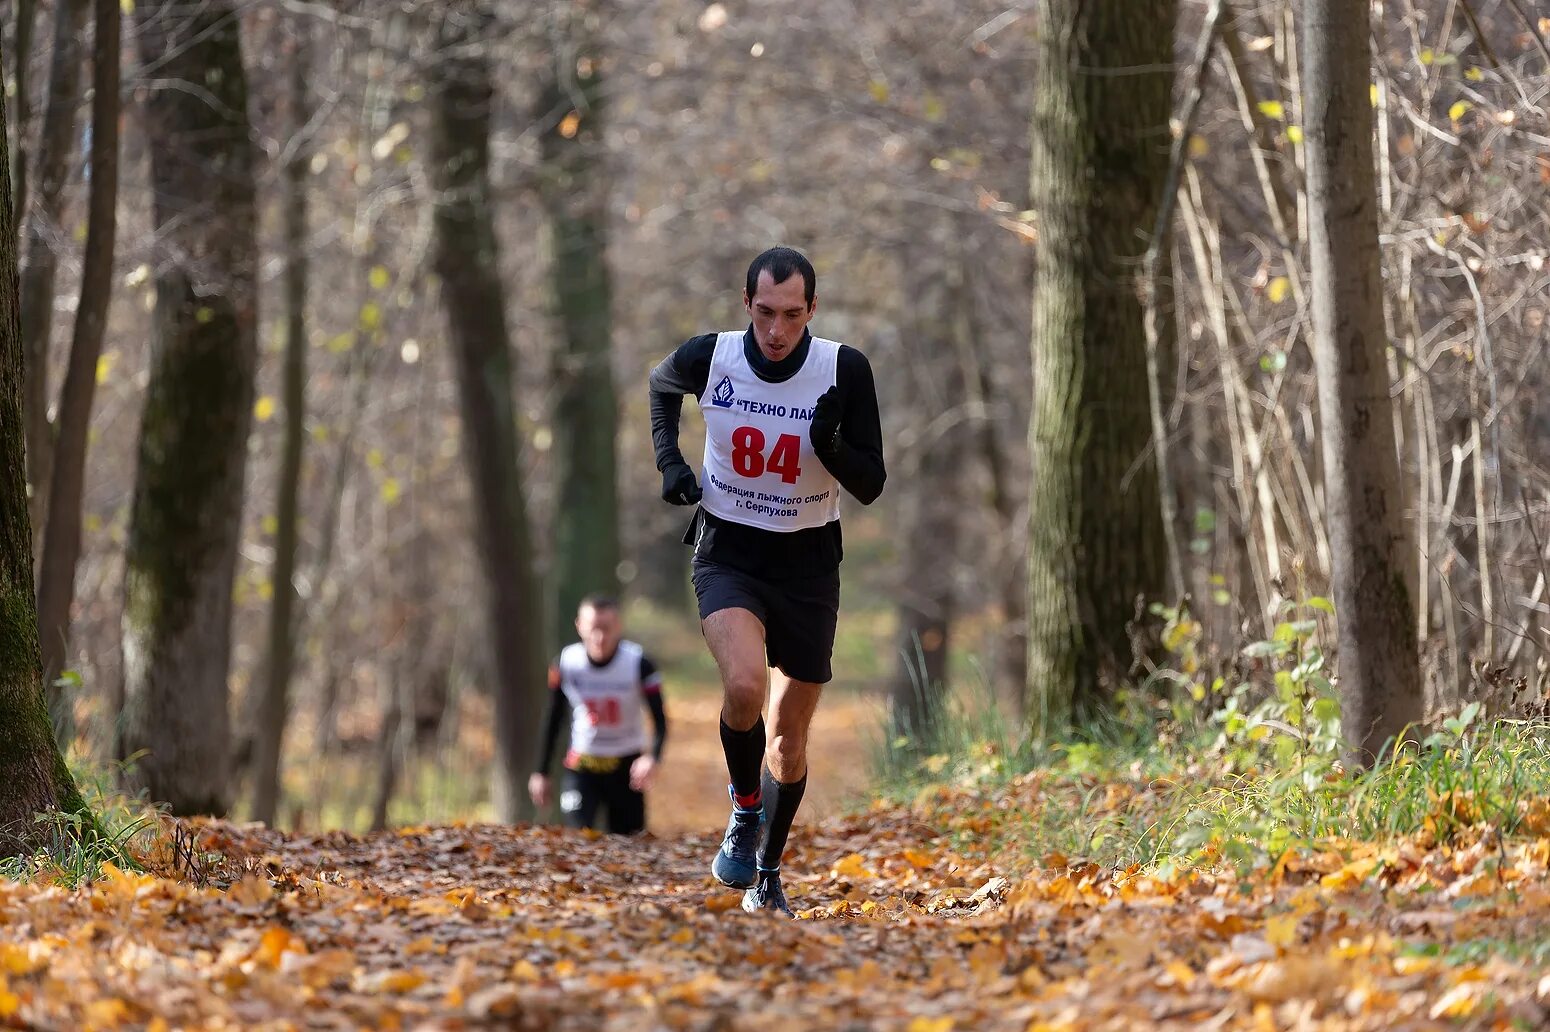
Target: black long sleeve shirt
857,463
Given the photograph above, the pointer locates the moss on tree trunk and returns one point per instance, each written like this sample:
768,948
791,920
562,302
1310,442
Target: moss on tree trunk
33,775
185,519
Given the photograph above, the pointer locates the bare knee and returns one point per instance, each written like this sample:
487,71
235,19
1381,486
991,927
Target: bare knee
787,757
742,700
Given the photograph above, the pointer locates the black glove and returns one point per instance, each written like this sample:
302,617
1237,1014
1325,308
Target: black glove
679,485
825,431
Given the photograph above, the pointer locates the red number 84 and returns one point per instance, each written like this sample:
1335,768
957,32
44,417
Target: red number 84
748,454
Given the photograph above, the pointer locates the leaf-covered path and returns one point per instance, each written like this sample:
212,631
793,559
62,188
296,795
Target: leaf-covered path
475,927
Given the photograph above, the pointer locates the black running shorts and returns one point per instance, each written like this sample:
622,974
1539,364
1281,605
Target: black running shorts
799,615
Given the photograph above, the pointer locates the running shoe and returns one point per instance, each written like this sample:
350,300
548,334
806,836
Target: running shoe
737,861
767,895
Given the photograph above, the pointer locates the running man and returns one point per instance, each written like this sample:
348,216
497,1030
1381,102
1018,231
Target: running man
601,682
789,419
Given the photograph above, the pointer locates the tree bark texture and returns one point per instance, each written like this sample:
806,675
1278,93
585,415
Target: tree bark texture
274,707
467,260
45,235
62,534
1100,145
929,510
575,193
185,516
1379,672
33,775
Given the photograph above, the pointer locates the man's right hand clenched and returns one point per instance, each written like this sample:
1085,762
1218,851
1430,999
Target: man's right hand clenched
679,485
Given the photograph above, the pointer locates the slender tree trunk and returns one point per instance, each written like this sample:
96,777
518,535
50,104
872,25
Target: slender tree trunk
26,18
1095,542
929,510
185,517
575,193
62,535
33,775
1380,679
45,235
274,707
467,260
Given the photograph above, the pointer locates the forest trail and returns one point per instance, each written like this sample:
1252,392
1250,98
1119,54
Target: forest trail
457,927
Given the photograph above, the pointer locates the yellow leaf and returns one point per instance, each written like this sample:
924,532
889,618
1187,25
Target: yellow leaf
9,1001
570,125
263,409
1272,109
852,866
371,315
391,490
879,90
1372,94
1459,109
1294,133
379,277
1474,75
108,1013
126,6
1458,1002
374,458
524,971
924,1024
1281,930
270,524
1183,975
1198,146
1278,289
341,342
275,943
1427,55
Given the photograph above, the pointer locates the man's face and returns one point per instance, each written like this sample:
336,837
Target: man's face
599,630
780,313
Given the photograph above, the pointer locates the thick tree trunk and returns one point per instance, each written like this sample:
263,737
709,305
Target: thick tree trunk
467,260
575,193
185,519
33,775
26,18
62,535
45,235
274,707
1095,535
1380,680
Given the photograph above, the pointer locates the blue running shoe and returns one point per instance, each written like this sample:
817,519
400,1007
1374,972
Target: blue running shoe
767,895
737,861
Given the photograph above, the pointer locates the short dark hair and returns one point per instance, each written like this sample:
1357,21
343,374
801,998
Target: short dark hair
781,262
598,601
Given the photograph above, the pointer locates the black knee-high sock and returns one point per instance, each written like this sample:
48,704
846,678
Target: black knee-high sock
781,800
745,750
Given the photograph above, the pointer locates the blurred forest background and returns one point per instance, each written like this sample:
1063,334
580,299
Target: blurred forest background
363,203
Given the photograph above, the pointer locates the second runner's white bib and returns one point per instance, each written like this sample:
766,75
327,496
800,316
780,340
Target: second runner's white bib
760,468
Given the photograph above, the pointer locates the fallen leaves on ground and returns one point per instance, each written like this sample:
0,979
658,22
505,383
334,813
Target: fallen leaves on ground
479,926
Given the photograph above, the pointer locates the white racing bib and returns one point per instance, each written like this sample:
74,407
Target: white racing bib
605,701
760,468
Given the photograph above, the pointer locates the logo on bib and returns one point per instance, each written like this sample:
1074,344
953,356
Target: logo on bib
722,396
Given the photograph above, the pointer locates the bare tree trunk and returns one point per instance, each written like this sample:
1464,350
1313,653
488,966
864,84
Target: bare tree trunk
929,510
44,236
467,260
33,775
1095,533
185,519
274,707
62,535
575,192
26,19
1380,680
